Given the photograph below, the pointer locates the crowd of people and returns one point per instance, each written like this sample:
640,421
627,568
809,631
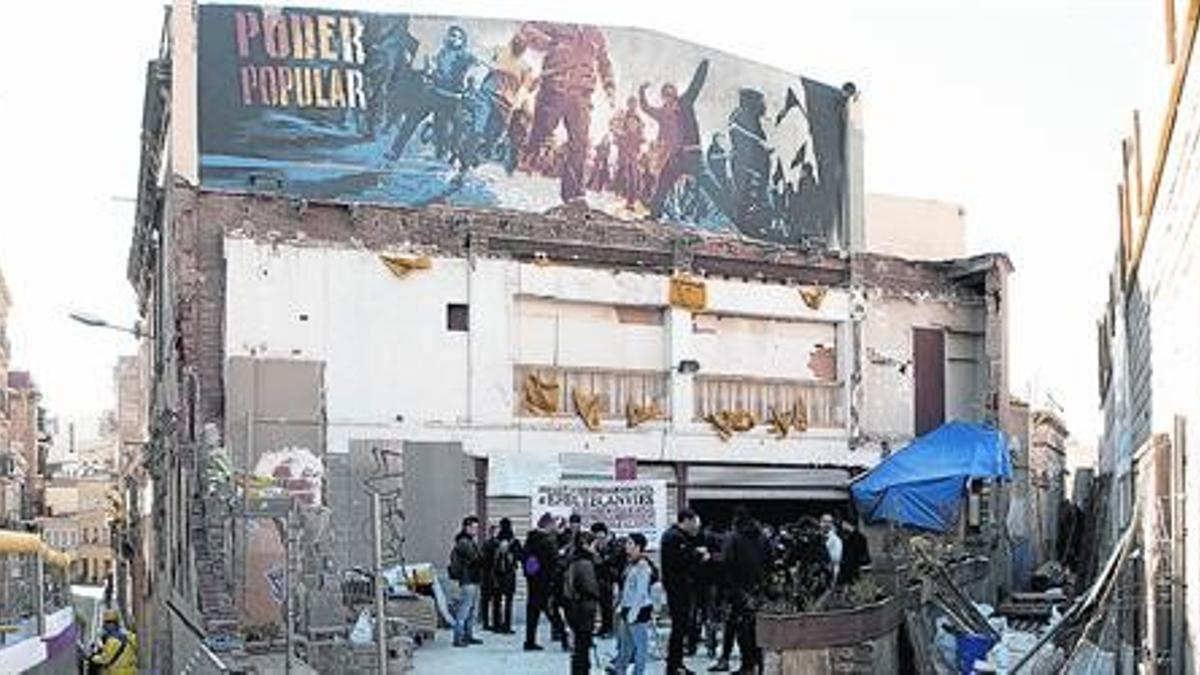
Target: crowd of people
588,583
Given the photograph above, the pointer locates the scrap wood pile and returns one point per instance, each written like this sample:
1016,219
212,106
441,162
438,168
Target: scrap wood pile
939,589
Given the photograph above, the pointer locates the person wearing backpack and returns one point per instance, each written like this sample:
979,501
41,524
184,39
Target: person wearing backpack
504,553
540,558
581,595
466,567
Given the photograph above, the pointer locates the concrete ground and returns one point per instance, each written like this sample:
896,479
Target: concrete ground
503,654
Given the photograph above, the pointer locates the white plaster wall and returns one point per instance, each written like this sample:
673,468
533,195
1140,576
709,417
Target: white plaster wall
574,334
383,339
388,353
916,229
887,334
758,347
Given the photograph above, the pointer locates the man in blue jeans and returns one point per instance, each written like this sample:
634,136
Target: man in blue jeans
466,567
633,613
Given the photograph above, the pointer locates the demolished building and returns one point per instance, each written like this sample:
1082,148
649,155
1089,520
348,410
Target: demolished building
324,315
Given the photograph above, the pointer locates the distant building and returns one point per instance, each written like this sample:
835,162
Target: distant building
1047,475
27,437
76,521
132,520
10,471
912,228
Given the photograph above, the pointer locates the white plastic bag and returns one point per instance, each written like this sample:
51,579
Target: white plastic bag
364,629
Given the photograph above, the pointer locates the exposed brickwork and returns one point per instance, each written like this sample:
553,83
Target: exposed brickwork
895,276
589,238
822,361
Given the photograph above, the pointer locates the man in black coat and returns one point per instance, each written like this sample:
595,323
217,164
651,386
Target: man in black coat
505,556
466,568
609,562
540,560
855,553
745,558
581,594
681,555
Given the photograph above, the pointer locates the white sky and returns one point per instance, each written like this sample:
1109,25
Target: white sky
1012,108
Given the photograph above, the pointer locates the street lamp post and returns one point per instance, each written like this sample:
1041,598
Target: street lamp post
97,322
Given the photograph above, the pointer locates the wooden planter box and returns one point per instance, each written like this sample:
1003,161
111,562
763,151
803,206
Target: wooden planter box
837,628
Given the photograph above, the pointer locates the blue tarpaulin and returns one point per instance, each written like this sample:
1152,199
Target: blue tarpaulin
923,484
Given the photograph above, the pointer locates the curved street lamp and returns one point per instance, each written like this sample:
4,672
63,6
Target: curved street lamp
97,322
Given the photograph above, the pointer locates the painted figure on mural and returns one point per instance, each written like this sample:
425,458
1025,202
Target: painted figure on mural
600,177
390,70
647,173
717,159
575,59
503,90
804,215
750,164
393,85
679,135
445,83
628,132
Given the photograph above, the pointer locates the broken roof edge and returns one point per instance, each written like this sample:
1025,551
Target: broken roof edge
964,266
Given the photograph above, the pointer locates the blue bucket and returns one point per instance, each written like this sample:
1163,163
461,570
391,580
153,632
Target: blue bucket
972,647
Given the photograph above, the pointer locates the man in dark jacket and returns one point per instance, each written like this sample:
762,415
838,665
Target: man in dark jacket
540,559
609,562
505,557
466,567
681,555
581,593
855,553
568,532
745,559
488,549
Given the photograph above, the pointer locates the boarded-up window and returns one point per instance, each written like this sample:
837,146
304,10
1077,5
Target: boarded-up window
929,371
765,348
583,335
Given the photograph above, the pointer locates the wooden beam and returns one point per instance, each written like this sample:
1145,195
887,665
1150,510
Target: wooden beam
1169,29
1137,186
1164,137
1126,234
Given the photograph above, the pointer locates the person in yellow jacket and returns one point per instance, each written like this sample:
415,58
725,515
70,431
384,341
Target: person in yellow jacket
117,653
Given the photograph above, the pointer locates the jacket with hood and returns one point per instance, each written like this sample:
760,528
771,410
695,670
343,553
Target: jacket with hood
466,561
580,587
504,557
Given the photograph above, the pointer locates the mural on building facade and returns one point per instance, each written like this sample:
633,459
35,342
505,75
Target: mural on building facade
531,116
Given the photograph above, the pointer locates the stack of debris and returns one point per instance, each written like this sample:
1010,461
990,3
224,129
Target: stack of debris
1032,611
